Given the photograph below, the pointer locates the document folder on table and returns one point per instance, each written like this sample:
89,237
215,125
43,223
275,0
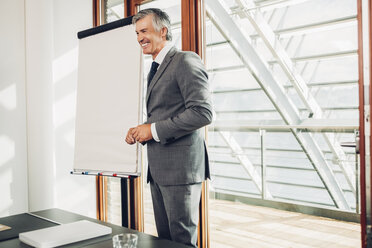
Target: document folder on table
64,234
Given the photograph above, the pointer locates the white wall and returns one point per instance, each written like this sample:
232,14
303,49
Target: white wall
13,149
39,75
38,79
73,193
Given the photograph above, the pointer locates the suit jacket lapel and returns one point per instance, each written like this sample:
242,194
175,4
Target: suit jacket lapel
163,66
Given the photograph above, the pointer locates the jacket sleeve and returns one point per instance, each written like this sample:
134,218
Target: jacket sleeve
192,80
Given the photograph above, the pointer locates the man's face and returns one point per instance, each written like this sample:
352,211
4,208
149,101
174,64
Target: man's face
149,39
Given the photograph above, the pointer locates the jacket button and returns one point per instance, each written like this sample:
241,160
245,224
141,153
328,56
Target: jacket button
148,115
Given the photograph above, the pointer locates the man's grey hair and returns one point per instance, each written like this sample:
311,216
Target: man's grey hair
160,20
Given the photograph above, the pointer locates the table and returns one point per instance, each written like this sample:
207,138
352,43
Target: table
46,218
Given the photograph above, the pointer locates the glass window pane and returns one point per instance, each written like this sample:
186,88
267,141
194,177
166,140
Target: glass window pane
112,10
262,153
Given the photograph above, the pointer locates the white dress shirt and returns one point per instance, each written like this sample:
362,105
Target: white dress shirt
159,59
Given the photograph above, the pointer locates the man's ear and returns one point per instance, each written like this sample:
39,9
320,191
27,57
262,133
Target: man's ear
164,32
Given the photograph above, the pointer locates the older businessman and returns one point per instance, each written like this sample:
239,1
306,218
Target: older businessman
178,106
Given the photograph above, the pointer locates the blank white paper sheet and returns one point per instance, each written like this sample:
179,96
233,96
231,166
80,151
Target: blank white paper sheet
109,94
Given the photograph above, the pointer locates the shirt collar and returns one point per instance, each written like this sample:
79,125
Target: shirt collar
163,52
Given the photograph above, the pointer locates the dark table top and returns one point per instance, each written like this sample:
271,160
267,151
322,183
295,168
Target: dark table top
26,222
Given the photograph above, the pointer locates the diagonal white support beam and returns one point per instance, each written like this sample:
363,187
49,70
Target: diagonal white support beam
244,161
271,41
340,156
113,11
276,94
257,20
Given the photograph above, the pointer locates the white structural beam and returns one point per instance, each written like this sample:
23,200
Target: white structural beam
265,32
260,71
271,41
244,161
323,125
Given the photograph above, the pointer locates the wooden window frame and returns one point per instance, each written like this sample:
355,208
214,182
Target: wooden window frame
365,99
361,123
367,223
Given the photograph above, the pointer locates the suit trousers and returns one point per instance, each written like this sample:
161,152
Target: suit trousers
176,210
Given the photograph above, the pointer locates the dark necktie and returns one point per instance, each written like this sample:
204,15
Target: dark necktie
154,68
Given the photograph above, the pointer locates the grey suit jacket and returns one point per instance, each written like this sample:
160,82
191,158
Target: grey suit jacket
178,101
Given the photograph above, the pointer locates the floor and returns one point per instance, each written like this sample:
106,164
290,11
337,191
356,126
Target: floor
236,225
240,225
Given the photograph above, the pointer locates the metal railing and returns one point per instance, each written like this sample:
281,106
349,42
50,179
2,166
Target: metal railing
259,155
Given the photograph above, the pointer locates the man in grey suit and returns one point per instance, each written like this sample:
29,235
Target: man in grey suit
178,106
